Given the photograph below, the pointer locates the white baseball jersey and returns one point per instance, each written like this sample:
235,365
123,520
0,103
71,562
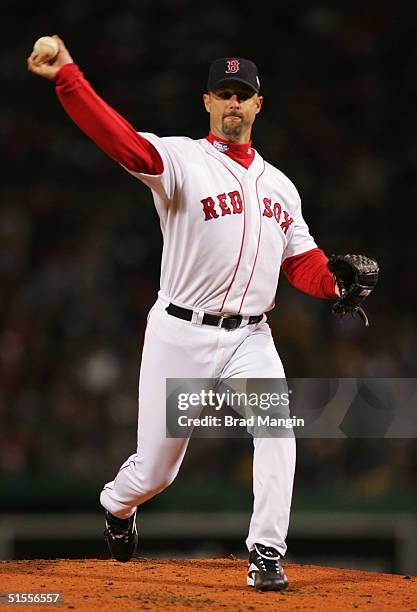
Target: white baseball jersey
226,229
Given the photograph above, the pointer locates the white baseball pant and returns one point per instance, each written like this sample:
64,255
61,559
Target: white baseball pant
174,348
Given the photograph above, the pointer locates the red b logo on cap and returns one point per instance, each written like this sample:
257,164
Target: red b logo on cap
232,66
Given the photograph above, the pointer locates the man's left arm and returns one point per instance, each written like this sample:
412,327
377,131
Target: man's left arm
303,263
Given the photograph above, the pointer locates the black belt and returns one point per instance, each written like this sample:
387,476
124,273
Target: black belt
226,321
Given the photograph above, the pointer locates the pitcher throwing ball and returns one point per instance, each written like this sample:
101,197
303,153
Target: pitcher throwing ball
230,222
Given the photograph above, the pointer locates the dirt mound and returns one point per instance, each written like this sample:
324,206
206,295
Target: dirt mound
216,584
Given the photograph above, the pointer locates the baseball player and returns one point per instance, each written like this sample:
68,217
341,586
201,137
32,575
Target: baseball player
230,221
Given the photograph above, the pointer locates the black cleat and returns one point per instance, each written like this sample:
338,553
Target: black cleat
121,536
265,572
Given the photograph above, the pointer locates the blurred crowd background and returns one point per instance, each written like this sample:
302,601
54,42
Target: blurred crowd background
80,242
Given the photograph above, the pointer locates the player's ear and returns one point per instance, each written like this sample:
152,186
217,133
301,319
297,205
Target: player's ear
206,100
259,102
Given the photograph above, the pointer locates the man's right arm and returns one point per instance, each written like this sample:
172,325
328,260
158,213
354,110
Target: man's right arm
96,118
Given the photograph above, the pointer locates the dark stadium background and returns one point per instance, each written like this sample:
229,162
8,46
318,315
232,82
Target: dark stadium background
80,248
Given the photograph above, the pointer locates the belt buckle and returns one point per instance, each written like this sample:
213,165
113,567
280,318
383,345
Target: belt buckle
229,316
222,318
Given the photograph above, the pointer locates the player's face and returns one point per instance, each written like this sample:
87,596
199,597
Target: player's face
233,108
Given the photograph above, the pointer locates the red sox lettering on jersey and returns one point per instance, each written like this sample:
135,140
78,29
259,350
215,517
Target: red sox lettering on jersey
226,228
235,200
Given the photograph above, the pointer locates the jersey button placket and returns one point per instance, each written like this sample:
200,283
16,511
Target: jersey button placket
249,247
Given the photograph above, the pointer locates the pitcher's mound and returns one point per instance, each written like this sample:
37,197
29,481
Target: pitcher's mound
216,584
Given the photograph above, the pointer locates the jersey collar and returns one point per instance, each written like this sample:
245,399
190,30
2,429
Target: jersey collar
241,153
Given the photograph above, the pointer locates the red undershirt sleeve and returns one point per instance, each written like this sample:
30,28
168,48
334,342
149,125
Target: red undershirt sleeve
104,125
309,273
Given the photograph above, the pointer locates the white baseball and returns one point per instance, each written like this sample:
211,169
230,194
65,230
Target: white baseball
46,47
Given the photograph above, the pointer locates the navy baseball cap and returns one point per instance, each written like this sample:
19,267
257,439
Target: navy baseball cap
233,69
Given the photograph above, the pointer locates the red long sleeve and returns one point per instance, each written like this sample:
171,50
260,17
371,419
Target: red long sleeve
309,273
103,124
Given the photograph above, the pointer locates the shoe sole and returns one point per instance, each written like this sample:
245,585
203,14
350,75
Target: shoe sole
267,587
